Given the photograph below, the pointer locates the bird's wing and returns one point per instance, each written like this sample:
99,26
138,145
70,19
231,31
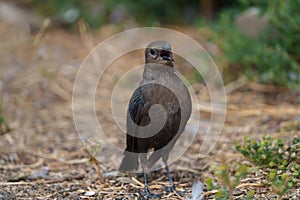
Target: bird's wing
138,112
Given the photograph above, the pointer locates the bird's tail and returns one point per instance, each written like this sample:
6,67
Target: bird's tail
130,162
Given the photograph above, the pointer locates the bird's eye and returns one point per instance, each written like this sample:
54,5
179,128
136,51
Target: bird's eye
152,52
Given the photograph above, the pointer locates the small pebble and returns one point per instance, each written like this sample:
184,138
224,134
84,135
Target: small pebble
89,193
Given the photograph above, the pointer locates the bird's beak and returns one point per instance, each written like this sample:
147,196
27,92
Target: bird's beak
166,55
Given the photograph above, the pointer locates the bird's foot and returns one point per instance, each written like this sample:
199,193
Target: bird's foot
148,195
173,189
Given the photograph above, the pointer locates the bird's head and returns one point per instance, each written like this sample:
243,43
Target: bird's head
159,52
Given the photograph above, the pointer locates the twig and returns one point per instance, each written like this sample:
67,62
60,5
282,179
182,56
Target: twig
187,169
266,88
59,91
42,32
207,108
235,84
249,185
42,181
208,193
138,182
75,161
96,164
118,193
86,38
33,165
251,179
51,195
266,111
178,196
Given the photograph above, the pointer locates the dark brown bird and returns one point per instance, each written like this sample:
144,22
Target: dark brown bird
157,113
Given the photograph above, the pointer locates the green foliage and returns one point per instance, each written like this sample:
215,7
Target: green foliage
229,180
4,128
280,160
263,4
95,148
267,152
2,120
69,11
274,56
286,25
280,182
157,11
98,12
250,195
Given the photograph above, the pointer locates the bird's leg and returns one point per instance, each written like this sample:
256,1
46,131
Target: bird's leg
172,187
147,194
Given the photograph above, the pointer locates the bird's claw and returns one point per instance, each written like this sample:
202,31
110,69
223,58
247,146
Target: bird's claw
173,189
148,195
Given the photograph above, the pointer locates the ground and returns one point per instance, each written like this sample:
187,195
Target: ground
43,158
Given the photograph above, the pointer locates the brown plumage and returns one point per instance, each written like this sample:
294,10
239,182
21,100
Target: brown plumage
162,86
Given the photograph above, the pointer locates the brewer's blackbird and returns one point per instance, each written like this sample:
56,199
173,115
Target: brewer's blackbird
160,86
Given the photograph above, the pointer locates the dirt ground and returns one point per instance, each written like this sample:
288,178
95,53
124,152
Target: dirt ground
43,158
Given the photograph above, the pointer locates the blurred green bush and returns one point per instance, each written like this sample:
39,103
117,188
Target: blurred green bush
96,13
1,117
272,57
69,11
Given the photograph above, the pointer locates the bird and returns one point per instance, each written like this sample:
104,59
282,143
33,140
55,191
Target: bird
156,129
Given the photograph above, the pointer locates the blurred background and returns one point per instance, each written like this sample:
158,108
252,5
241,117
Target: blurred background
259,39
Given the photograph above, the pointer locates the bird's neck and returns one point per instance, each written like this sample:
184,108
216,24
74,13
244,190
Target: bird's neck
154,71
